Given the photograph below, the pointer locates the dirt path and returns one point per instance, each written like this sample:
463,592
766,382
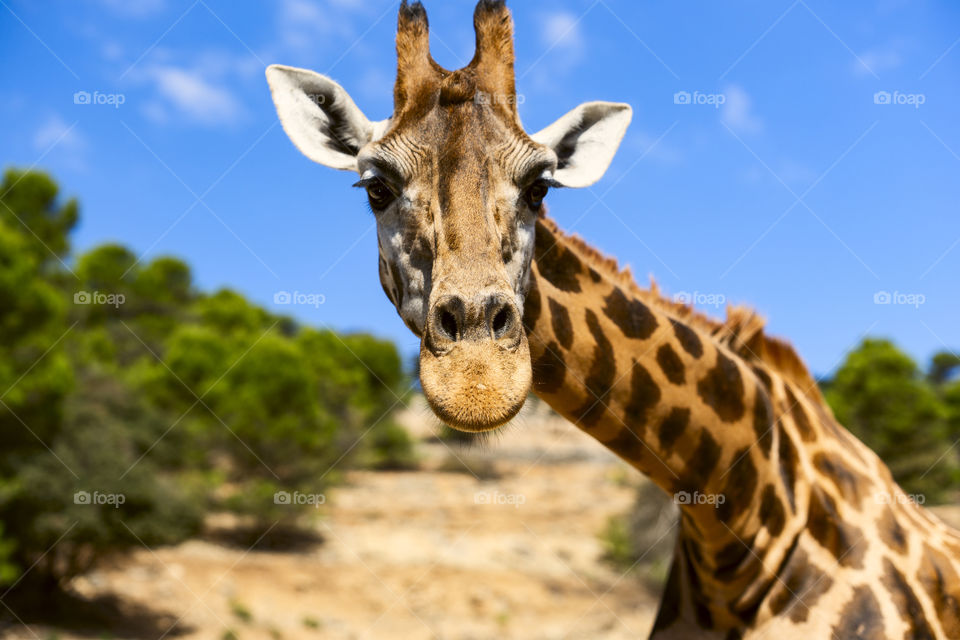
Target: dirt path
508,550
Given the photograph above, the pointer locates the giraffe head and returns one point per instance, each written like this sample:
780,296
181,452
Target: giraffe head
456,185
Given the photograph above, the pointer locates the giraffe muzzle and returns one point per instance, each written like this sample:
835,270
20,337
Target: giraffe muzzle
456,319
474,360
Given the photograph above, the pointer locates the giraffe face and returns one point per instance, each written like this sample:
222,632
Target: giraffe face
456,194
456,185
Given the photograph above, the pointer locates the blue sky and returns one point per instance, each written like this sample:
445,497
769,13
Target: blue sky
783,183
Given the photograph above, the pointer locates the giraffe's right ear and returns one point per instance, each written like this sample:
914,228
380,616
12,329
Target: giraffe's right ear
320,117
585,141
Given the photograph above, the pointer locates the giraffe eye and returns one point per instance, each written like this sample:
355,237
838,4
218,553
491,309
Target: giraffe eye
536,193
379,194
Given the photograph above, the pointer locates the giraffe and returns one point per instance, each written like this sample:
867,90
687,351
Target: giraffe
790,527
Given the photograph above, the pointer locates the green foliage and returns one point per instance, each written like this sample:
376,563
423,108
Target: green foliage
126,418
882,397
29,203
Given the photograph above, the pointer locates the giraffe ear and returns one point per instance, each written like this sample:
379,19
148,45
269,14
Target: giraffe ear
319,116
585,141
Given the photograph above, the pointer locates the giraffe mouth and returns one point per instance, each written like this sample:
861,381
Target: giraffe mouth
476,387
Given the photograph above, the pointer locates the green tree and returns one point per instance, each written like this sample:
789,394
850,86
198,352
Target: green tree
29,203
882,397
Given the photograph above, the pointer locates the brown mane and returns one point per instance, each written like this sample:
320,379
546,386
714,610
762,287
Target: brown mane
742,332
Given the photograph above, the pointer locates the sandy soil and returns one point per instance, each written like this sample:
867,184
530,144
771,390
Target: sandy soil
507,549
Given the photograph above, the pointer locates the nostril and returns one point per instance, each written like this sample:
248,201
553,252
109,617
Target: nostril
501,323
448,324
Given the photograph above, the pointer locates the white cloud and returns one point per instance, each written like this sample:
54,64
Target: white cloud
56,131
561,30
737,111
652,147
112,50
304,25
877,61
191,93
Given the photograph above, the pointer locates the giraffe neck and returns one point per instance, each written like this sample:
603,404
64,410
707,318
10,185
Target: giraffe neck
670,400
775,496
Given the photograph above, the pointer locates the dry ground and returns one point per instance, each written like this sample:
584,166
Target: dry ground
507,550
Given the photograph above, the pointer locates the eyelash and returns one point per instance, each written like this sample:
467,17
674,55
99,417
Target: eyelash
379,195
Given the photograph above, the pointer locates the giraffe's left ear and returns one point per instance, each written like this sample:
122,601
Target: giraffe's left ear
585,141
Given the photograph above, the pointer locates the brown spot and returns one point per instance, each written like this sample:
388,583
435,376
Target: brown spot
631,316
940,581
673,427
801,584
731,557
763,422
861,617
559,265
788,466
771,511
560,321
626,444
800,417
844,541
701,464
644,396
600,379
739,485
671,364
722,389
549,369
906,602
688,338
846,480
892,534
764,378
594,276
